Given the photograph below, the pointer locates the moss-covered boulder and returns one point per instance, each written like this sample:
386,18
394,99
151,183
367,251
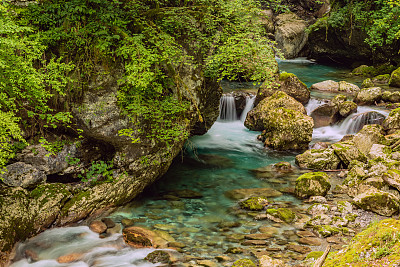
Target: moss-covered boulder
284,214
395,78
392,178
312,184
378,245
285,82
383,79
367,136
347,151
392,97
318,159
348,87
368,96
367,83
284,121
357,173
346,108
254,203
392,122
380,202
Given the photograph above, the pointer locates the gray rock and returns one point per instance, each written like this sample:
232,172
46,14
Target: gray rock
24,175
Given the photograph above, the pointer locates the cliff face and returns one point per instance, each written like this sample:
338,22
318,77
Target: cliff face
59,198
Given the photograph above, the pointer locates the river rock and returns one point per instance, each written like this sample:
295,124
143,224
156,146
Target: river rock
347,151
325,115
252,192
367,83
393,97
267,261
392,178
158,256
348,87
328,85
243,263
284,121
290,34
288,83
114,230
23,175
283,214
382,203
367,136
298,248
383,79
368,96
318,159
70,258
395,78
311,241
139,237
98,227
346,108
108,222
312,184
392,122
254,203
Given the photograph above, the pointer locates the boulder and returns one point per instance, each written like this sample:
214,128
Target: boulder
365,118
158,256
98,227
368,96
312,184
318,159
328,85
383,79
367,83
347,151
139,237
392,122
392,178
382,203
395,78
23,175
254,203
346,108
392,97
290,34
367,136
284,121
348,87
380,152
325,115
288,83
283,214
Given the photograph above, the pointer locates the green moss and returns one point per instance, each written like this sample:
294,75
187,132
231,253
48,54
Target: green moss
254,203
312,184
351,217
284,214
314,255
243,263
77,198
326,230
285,75
378,245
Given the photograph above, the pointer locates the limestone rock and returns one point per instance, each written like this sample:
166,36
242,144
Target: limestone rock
347,151
395,78
290,34
287,83
312,184
380,202
284,121
368,96
348,87
328,85
325,115
392,178
24,175
318,159
367,136
392,122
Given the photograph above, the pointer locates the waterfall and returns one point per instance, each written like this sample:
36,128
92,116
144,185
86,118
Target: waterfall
249,105
313,103
227,108
351,125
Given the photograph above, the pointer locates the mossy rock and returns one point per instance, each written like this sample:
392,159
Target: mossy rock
368,96
254,203
318,159
158,256
347,151
367,83
327,230
380,202
378,245
381,79
314,255
346,108
392,122
395,78
243,263
312,184
286,215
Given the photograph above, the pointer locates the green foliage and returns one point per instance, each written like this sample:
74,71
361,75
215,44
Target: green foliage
378,18
52,147
99,171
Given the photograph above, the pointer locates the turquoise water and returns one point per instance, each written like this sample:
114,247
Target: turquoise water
211,165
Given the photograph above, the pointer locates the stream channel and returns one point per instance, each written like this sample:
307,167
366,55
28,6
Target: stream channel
212,165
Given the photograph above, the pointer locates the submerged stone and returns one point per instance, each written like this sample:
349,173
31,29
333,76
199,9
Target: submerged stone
283,214
254,203
252,192
244,263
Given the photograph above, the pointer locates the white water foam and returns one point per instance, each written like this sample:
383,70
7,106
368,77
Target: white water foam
249,106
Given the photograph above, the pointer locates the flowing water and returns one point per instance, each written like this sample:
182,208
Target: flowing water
222,160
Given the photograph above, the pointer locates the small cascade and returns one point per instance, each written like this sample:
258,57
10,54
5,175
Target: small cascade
351,125
356,122
313,103
249,105
227,108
